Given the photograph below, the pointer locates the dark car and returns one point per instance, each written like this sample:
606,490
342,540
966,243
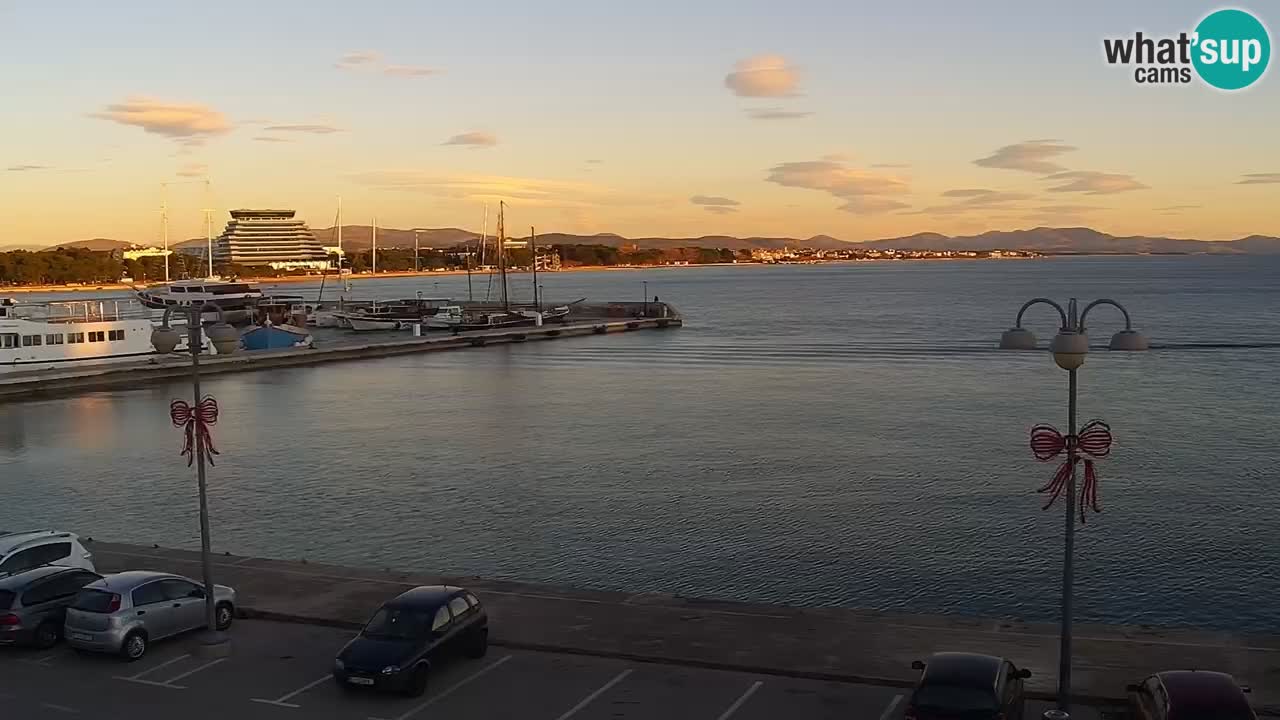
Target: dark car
967,686
396,649
1190,695
33,603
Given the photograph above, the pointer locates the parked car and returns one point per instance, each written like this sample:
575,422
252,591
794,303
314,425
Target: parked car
397,647
1190,695
969,686
32,548
126,612
33,603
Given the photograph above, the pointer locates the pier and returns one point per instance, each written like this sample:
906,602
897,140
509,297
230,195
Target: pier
832,645
585,320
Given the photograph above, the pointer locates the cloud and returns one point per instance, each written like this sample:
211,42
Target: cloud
1175,209
713,200
273,139
594,161
26,168
1259,179
890,165
475,139
720,210
1033,156
763,76
526,191
974,199
775,113
193,170
314,129
1068,209
188,123
838,157
1093,183
863,191
358,59
410,71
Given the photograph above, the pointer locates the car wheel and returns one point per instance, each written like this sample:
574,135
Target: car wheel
47,635
417,682
134,646
479,643
223,615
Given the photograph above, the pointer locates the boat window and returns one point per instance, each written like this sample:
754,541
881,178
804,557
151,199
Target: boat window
115,335
97,336
75,338
9,340
177,289
53,339
194,289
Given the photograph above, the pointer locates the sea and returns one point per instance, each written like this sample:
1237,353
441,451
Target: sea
821,435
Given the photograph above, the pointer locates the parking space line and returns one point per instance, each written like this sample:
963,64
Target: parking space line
599,691
189,673
283,700
449,690
164,664
59,708
153,683
892,705
741,701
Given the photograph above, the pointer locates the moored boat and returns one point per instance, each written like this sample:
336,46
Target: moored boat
235,299
45,336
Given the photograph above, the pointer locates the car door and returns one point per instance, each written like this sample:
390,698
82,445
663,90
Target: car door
153,610
186,601
441,625
462,617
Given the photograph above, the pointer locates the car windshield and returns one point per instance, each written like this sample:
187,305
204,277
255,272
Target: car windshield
955,698
98,601
398,623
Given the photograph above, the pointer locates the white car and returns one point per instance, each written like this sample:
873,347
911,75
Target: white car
21,551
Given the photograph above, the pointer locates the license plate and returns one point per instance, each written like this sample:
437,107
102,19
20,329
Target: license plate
81,636
360,681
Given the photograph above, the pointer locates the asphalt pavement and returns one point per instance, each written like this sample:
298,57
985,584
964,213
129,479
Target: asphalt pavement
280,671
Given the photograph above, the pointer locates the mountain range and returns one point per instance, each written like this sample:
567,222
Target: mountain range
1054,241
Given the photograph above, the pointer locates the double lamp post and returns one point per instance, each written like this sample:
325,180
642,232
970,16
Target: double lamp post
225,340
1070,347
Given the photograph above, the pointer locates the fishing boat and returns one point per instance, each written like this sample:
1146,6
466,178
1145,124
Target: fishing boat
444,318
394,315
236,299
279,322
45,336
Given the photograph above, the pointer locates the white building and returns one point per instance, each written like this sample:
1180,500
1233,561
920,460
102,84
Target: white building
136,253
269,237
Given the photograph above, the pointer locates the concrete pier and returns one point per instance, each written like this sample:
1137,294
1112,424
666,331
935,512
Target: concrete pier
614,318
833,644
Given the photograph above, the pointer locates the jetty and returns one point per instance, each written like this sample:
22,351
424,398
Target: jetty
584,320
831,644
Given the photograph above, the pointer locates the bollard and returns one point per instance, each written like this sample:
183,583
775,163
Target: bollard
1056,715
417,329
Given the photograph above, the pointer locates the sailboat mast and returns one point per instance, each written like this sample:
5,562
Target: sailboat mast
164,225
373,224
339,224
208,225
533,258
502,254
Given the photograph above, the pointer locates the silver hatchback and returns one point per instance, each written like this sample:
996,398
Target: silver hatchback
126,612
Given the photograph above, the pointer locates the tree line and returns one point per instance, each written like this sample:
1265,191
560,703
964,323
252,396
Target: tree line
70,266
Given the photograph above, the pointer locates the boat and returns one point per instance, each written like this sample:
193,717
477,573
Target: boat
278,322
394,315
444,317
495,321
45,336
236,299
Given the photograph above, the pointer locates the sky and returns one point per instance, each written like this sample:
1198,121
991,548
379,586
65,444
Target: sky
855,119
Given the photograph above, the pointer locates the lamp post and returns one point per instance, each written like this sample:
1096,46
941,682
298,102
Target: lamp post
225,340
645,283
1070,347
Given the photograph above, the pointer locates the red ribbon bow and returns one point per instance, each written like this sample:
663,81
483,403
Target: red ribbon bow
193,421
1093,441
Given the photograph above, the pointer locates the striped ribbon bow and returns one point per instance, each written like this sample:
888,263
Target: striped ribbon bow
195,421
1092,442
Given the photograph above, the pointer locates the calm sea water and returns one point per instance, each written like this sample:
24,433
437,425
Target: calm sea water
830,435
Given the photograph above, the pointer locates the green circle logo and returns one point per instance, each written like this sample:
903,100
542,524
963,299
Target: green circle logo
1232,49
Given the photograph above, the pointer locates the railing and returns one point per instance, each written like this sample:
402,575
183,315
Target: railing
83,311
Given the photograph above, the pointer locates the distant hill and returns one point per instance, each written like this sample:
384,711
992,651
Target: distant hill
1052,241
1079,241
94,244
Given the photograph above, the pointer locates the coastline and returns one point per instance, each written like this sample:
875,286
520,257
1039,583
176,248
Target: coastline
288,279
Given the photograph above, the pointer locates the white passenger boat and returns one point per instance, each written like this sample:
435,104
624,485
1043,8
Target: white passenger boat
44,336
235,298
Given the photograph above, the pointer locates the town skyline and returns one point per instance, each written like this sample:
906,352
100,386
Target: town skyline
733,121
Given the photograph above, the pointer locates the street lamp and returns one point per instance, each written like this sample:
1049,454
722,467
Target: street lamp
225,340
1070,347
646,297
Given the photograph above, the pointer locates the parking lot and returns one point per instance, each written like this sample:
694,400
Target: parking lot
280,671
